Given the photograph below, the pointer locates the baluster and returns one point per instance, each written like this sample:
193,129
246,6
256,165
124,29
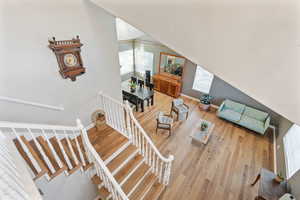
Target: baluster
130,129
79,150
113,115
45,157
145,149
169,173
71,149
139,142
156,165
117,114
152,161
161,172
28,153
63,151
57,159
134,134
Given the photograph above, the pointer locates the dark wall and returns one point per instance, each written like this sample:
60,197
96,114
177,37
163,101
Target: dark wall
221,90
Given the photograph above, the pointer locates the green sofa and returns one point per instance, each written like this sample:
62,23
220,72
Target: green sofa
245,116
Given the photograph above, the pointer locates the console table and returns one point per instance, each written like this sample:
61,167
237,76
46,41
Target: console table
167,85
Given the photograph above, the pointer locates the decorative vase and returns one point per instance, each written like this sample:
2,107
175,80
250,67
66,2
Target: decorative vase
132,89
204,107
278,179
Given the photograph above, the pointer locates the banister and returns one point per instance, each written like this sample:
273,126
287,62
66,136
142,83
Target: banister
30,103
170,158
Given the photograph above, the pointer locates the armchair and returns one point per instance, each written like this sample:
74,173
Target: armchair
164,122
180,109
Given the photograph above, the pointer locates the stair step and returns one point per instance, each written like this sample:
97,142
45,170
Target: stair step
48,152
128,168
27,159
143,187
34,147
88,165
123,156
113,147
155,192
57,149
135,178
68,152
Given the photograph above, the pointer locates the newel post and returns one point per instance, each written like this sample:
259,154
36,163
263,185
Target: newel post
128,120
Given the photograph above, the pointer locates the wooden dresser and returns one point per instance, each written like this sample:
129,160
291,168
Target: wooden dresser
167,84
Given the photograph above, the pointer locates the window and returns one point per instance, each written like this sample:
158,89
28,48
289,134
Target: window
203,80
144,60
291,142
126,61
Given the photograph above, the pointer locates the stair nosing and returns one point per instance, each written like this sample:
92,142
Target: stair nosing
139,182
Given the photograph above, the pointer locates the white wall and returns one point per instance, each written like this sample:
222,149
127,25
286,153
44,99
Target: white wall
29,71
78,186
29,68
251,44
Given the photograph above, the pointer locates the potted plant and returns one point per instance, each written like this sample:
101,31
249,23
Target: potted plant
204,126
279,178
205,101
132,86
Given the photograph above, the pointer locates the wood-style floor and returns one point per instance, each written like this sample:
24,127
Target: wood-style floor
221,170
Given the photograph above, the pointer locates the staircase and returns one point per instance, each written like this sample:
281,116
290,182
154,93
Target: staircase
119,157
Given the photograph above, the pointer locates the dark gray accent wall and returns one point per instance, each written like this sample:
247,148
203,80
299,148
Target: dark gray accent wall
221,90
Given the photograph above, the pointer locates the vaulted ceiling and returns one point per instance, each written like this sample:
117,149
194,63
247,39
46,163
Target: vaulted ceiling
252,44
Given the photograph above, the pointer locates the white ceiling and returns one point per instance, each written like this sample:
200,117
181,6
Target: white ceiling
251,44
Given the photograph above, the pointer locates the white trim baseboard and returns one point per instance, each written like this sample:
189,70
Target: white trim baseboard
198,100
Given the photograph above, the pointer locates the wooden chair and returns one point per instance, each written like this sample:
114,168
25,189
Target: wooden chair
164,122
131,99
179,108
141,83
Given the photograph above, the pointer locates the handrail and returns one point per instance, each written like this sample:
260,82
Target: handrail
111,184
170,158
120,117
33,132
40,105
36,126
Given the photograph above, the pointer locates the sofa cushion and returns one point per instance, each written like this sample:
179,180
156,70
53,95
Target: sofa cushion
237,107
252,124
256,114
230,115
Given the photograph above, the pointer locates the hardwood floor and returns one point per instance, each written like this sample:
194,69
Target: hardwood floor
221,170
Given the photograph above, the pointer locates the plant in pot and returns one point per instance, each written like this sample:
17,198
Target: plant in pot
204,126
132,86
205,101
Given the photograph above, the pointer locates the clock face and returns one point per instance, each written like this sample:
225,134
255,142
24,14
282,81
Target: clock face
70,60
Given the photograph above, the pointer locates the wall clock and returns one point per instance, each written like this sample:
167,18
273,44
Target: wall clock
68,56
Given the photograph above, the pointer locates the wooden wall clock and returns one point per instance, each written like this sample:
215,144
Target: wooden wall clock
68,56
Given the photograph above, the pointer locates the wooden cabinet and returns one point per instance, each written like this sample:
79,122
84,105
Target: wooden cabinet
167,85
